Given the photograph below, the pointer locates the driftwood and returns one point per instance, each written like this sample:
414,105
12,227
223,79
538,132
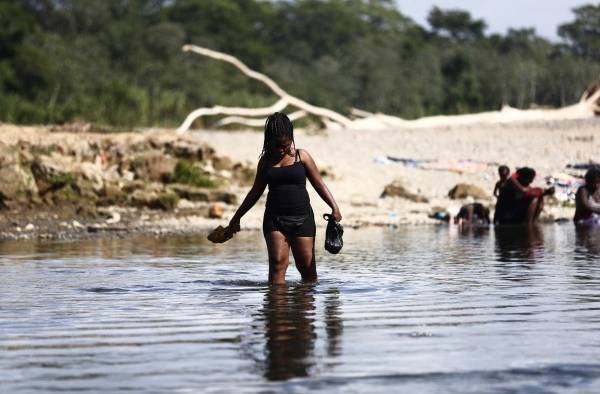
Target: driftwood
232,111
587,107
592,97
286,99
254,122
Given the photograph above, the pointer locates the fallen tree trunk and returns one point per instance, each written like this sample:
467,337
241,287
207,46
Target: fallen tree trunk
254,122
286,98
238,111
588,106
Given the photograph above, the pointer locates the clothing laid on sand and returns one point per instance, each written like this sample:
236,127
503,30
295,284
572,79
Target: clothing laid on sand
288,206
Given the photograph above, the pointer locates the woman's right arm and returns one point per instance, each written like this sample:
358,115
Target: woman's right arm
531,191
251,198
515,182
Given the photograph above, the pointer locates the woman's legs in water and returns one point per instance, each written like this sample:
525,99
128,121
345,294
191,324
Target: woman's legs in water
279,253
303,249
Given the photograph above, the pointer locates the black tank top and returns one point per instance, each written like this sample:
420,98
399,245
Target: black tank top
287,189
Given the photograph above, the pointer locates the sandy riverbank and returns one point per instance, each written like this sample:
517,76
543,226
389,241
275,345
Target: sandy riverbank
353,160
360,177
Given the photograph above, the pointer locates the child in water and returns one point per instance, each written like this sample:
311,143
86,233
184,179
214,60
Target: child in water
587,210
503,173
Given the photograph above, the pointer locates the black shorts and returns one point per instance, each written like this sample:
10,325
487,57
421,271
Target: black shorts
302,225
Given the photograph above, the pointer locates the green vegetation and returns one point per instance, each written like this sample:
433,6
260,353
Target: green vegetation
168,201
65,194
188,173
61,180
119,62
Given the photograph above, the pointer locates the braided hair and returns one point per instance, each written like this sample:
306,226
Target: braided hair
277,126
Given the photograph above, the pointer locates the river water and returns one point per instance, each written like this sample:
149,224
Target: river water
414,309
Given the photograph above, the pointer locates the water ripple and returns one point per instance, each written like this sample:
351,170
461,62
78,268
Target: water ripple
422,310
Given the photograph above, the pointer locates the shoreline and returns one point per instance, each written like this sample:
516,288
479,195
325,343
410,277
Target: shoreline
90,231
354,164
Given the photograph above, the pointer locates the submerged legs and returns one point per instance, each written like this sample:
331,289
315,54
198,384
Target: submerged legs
279,253
303,249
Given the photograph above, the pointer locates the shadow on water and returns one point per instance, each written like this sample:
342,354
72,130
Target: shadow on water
333,323
586,272
519,243
473,231
587,243
287,320
518,250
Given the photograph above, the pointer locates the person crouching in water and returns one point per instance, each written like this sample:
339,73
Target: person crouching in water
288,221
587,210
518,202
475,213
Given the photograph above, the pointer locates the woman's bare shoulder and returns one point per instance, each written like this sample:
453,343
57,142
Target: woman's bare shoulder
304,155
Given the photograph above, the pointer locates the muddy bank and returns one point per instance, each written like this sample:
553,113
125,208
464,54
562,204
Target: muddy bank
64,183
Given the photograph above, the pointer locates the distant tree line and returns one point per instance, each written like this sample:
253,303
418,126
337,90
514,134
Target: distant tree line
120,62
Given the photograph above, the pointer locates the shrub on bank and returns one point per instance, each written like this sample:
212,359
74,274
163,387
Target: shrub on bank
188,173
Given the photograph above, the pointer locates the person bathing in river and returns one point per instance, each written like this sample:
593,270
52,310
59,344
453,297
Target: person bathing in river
518,202
587,209
288,221
475,213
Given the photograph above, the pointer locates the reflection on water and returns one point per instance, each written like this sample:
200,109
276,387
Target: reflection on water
473,231
289,314
333,322
288,320
519,243
588,243
419,309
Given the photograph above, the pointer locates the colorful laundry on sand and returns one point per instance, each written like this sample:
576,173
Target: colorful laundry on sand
457,166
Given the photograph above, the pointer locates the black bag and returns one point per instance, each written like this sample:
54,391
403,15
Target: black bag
333,235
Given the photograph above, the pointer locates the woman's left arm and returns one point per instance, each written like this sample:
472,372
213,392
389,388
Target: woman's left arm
312,173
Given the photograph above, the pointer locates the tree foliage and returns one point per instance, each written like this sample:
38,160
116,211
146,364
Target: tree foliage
457,24
120,61
584,32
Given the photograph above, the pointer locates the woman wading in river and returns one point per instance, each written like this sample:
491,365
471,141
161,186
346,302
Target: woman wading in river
289,220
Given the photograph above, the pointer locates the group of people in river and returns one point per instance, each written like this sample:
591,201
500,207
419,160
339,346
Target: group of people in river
289,222
520,203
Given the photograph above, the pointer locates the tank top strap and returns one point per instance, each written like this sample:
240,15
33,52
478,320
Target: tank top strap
298,159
